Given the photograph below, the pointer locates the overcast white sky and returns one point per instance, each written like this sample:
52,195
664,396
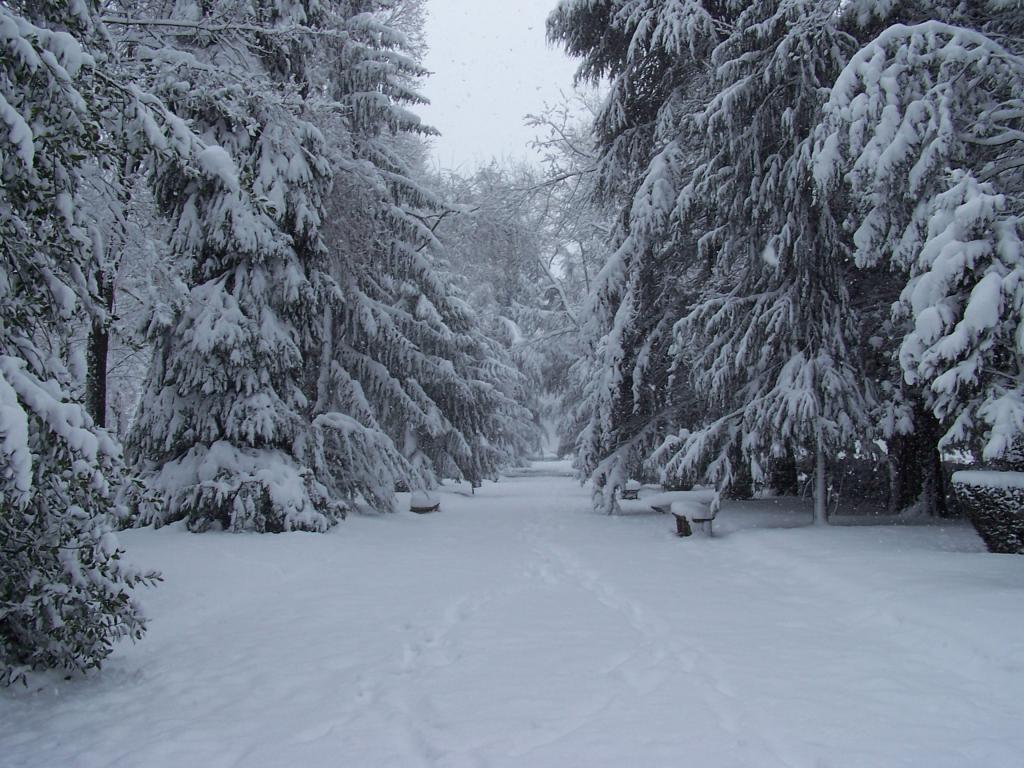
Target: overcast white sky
492,66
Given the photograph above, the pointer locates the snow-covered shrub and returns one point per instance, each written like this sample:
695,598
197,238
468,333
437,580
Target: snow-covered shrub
65,596
995,503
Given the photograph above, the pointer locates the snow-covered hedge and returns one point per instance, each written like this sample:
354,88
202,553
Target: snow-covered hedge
995,503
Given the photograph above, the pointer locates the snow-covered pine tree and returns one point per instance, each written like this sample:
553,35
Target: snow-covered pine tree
403,347
655,55
923,129
65,594
711,111
223,426
900,418
778,346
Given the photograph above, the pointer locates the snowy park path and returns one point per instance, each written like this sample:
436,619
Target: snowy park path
517,628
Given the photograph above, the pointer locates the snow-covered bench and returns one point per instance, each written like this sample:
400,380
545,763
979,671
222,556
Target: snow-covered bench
631,490
688,507
422,502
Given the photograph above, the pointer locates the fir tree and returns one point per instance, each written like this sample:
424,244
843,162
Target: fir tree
318,359
404,346
922,133
779,356
725,255
224,422
655,55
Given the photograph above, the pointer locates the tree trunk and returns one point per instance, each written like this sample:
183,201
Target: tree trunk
820,488
895,481
96,356
323,380
785,479
917,479
742,485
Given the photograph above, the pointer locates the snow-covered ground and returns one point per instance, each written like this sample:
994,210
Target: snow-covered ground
517,628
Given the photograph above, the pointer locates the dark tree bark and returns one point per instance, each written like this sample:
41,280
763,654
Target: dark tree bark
742,485
97,354
784,478
916,474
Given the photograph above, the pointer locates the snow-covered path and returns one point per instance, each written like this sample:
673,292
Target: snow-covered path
516,628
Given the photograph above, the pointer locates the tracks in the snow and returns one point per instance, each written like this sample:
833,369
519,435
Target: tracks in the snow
537,566
659,653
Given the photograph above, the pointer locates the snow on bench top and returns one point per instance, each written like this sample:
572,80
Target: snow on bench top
991,478
423,499
701,496
696,505
694,510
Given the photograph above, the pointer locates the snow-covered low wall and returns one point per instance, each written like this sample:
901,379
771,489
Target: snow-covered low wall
995,503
